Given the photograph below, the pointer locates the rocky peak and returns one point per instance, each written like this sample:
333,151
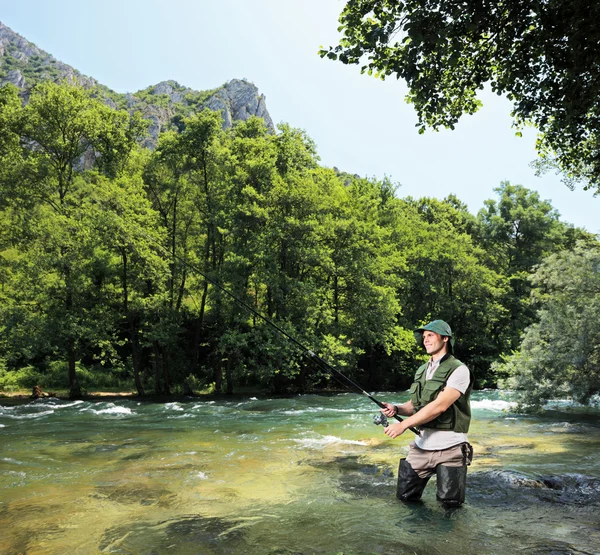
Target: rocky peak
239,99
23,64
173,90
24,48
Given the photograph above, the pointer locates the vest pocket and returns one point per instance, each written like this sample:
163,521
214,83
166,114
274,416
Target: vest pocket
415,394
430,390
445,421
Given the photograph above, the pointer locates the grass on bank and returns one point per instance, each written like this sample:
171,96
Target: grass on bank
95,381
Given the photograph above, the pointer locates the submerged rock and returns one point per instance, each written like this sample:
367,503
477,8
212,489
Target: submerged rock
515,479
359,478
189,534
135,494
512,487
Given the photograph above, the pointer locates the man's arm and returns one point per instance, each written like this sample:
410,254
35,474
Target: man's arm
428,413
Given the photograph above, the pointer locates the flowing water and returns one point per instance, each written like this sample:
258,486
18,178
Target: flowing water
299,475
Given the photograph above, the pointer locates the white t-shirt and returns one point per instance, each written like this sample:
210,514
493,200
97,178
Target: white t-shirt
430,438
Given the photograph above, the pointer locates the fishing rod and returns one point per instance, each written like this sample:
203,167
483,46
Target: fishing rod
312,355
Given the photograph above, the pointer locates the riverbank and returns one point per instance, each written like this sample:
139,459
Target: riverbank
63,394
131,394
106,393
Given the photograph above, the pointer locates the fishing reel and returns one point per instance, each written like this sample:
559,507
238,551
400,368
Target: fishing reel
380,418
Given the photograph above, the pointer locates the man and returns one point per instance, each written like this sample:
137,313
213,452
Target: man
439,408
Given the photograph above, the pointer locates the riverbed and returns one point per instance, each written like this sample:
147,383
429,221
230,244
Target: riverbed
296,475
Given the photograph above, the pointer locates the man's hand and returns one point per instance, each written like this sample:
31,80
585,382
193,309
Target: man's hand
389,410
395,430
428,413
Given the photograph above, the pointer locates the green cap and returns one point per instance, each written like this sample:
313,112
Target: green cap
437,326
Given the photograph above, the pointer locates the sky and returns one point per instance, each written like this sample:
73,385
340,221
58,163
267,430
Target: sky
360,124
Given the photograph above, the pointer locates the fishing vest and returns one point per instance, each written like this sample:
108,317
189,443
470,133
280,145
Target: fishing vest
423,391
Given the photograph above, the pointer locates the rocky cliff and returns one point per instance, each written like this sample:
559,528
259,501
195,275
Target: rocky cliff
24,65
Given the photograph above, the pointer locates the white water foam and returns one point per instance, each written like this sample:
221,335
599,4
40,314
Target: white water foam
58,405
68,405
296,412
325,441
174,406
202,405
8,459
28,416
560,425
491,405
179,416
113,409
320,409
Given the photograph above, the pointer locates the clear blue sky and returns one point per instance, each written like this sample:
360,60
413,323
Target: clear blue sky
360,124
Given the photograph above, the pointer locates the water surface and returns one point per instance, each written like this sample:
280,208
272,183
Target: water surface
305,474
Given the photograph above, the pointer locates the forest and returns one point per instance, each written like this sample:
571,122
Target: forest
122,268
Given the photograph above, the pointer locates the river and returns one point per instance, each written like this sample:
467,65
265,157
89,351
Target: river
297,475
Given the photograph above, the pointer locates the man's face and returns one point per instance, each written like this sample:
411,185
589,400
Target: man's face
434,343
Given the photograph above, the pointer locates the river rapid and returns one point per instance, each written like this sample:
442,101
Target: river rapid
298,475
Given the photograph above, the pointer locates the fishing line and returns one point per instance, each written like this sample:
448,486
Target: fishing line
311,354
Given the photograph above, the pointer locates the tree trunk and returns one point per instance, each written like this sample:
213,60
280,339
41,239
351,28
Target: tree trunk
218,375
336,301
135,357
74,387
199,326
229,374
131,319
156,365
165,368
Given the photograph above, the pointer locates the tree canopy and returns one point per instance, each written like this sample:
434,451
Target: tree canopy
560,353
543,55
109,255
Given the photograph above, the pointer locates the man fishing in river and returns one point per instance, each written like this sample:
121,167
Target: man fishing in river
439,408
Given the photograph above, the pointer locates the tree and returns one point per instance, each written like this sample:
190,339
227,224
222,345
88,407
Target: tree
448,275
62,132
201,141
560,353
10,151
544,55
519,230
127,233
365,276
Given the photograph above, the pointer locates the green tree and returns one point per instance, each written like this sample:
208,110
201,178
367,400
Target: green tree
171,194
449,275
366,269
560,353
10,151
203,147
62,132
519,230
543,55
129,236
248,255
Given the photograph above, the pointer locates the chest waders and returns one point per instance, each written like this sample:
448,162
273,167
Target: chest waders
410,484
452,477
452,480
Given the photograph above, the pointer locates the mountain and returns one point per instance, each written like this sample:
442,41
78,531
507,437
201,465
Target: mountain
24,65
